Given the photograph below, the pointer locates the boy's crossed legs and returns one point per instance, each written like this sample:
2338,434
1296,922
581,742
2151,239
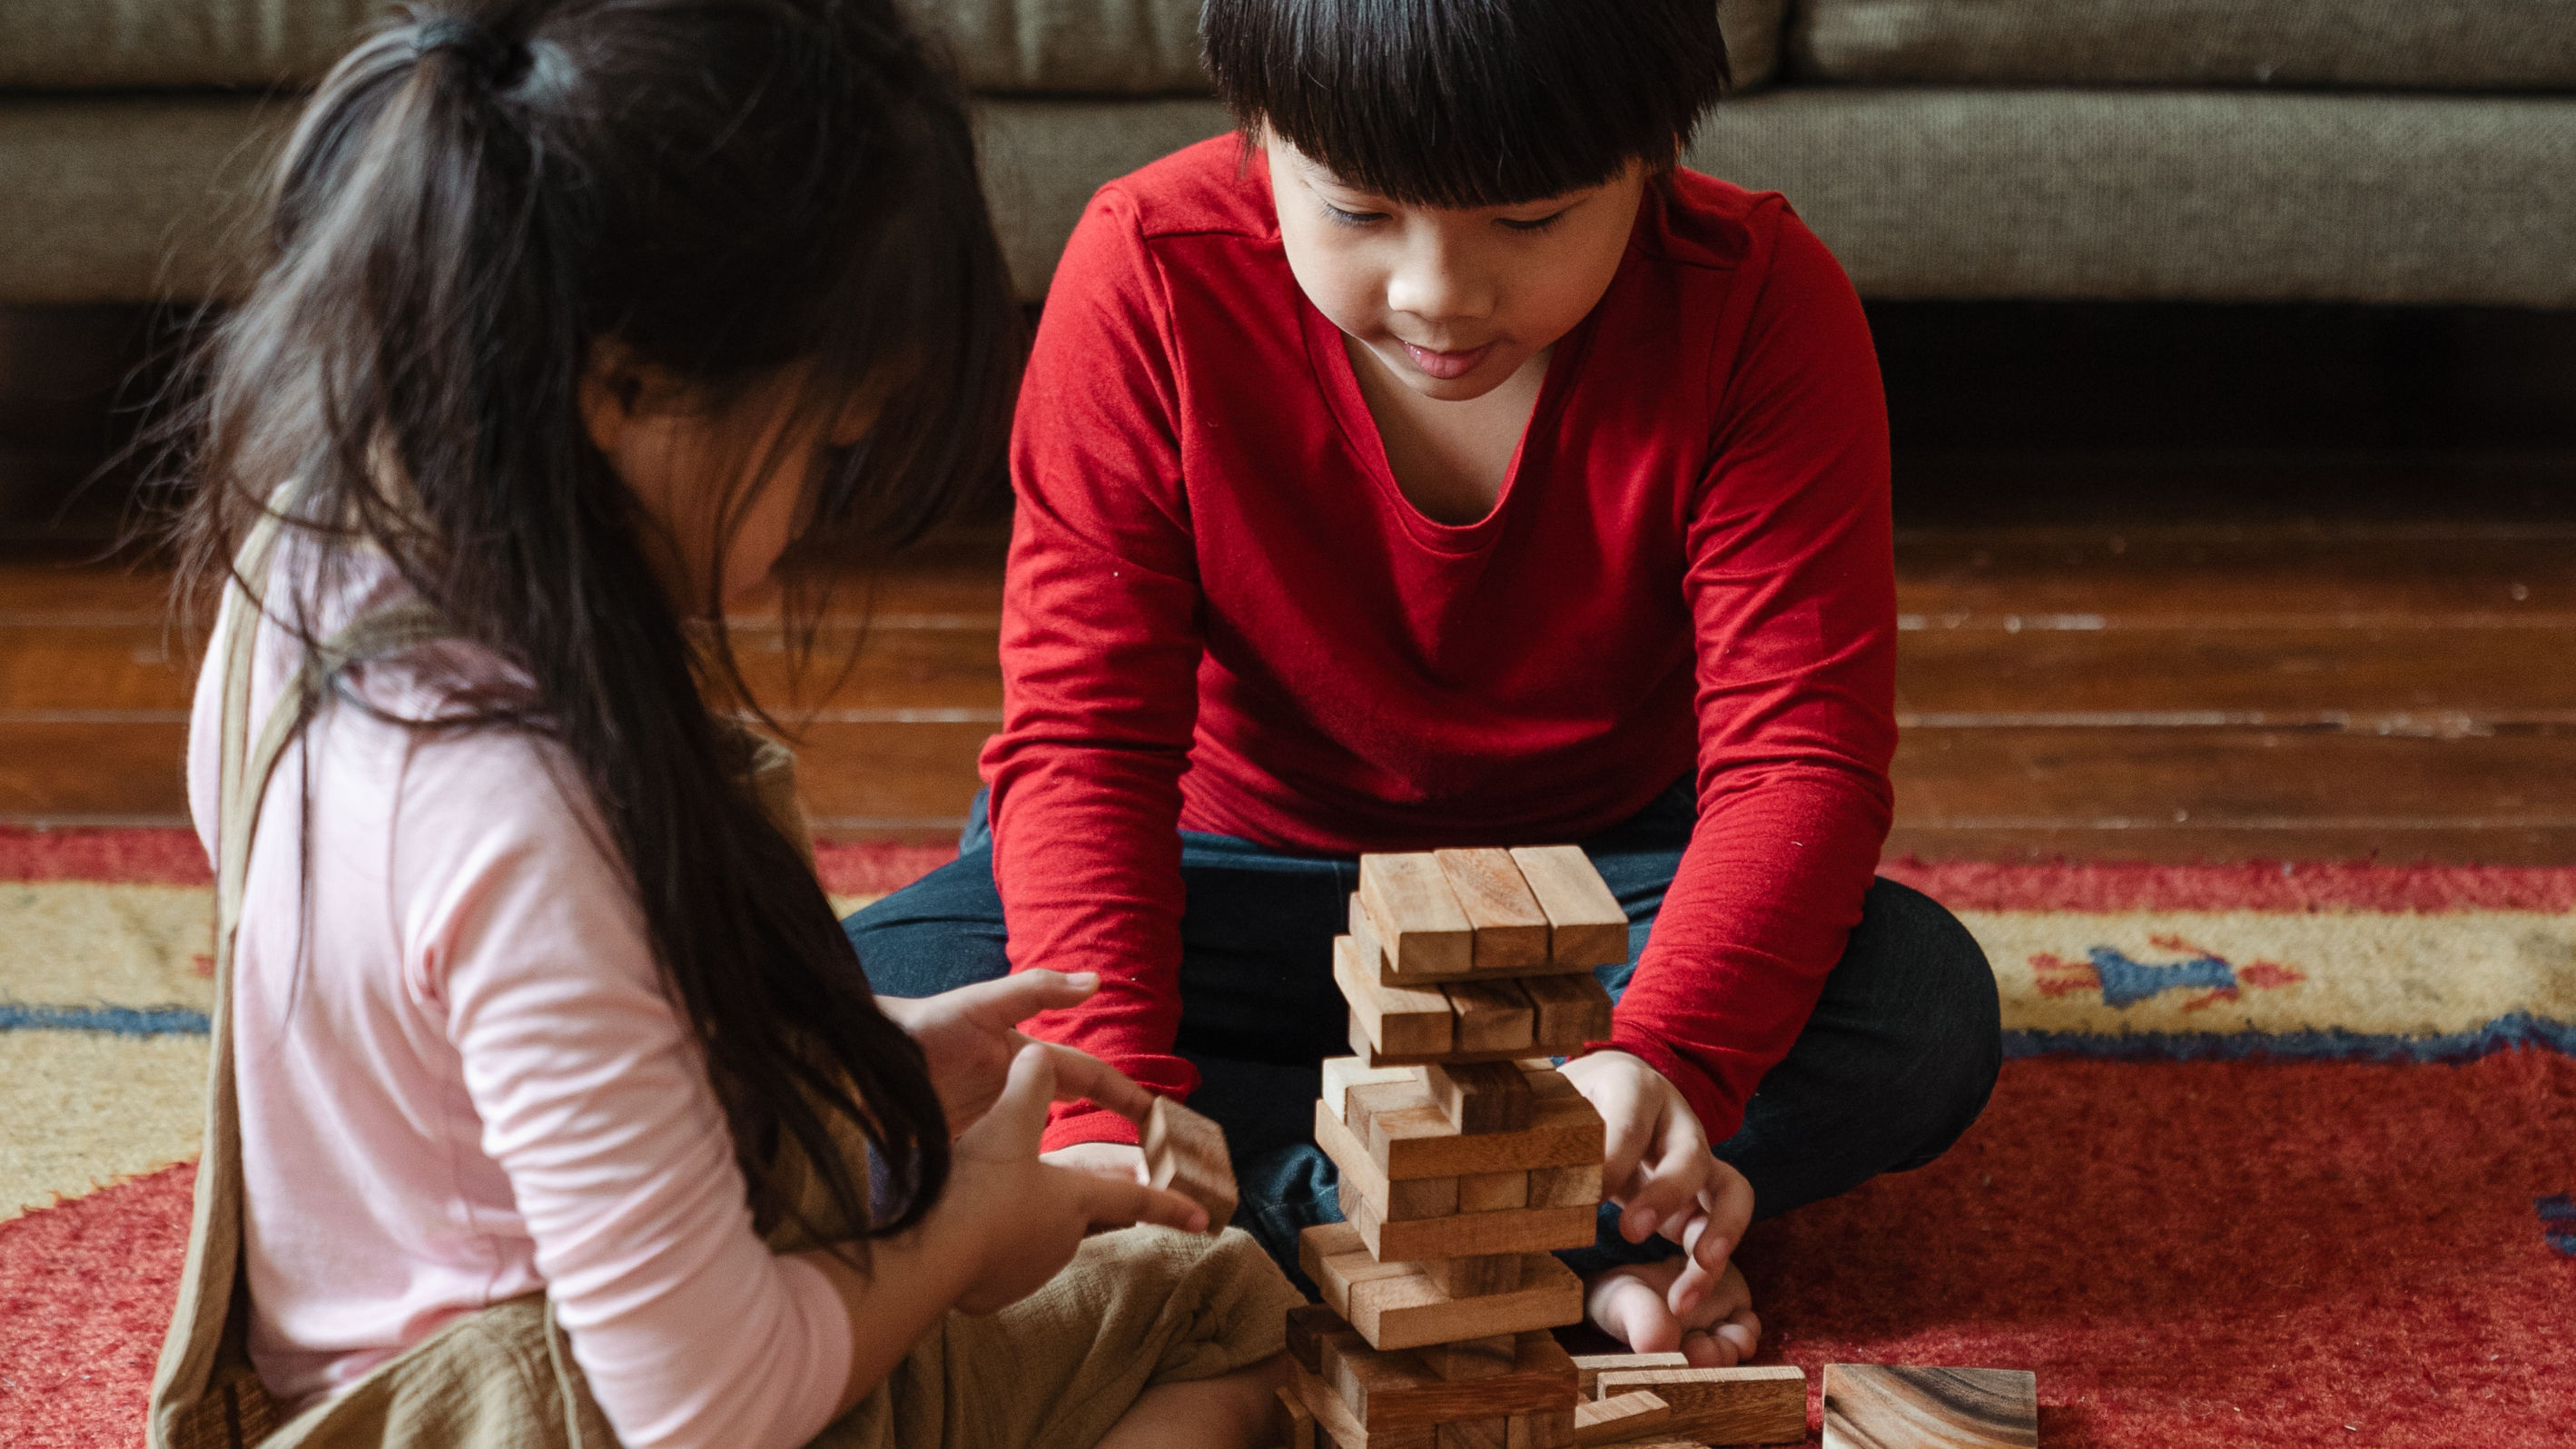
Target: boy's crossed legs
1894,1065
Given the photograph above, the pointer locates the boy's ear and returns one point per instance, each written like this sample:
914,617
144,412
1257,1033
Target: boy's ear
612,392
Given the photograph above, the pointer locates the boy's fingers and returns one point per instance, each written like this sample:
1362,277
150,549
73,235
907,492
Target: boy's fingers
1729,1199
1624,1144
1113,1204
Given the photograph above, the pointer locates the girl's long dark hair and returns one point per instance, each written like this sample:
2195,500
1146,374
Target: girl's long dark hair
760,198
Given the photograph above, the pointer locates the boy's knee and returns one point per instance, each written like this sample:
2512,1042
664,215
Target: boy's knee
941,932
1949,1013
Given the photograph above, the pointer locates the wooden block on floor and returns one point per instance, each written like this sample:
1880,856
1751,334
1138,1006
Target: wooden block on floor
1407,1136
1472,1358
1493,1192
1294,1423
1586,926
1578,1185
1474,1277
1343,1073
1492,1016
1868,1406
1621,1420
1511,930
1723,1405
1475,1434
1479,1096
1186,1153
1334,1418
1553,1430
1469,1235
1417,917
1397,1389
1396,1305
1398,1019
1572,1008
1588,1367
1309,1324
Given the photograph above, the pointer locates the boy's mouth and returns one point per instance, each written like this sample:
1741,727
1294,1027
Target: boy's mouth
1445,365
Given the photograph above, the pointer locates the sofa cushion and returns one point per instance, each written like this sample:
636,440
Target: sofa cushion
2431,44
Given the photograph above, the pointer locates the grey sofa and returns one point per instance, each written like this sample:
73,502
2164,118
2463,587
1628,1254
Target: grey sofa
2375,151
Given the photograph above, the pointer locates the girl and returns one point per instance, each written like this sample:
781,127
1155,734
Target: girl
1441,464
531,1023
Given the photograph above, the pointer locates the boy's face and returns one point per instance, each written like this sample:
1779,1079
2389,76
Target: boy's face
1452,302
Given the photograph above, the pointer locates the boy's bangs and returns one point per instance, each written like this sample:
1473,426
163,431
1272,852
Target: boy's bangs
1470,103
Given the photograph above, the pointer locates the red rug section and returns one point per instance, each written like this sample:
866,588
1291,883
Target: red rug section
2208,1253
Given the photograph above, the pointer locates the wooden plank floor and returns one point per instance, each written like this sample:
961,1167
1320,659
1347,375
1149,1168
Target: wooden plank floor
2283,690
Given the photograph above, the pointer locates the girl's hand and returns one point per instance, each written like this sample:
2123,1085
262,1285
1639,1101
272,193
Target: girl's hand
1021,1218
1657,1166
971,1034
1118,1161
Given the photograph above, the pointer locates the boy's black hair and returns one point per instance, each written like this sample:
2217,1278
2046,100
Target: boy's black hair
1467,103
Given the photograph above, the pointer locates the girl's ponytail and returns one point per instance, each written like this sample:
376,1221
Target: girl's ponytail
476,197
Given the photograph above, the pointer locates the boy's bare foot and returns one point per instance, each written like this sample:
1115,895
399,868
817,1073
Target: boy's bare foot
1632,1304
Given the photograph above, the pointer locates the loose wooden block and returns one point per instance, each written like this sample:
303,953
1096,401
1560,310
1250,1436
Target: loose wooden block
1574,1008
1295,1424
1397,1389
1343,1073
1468,1235
1578,1185
1396,1305
1186,1153
1617,1421
1417,917
1723,1405
1409,1137
1475,1434
1479,1096
1474,1277
1511,930
1586,925
1472,1358
1398,1019
1334,1418
1492,1016
1493,1192
1588,1367
1554,1430
1882,1406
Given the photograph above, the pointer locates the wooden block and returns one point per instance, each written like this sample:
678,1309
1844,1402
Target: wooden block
1628,1417
1572,1008
1545,1082
1474,1277
1475,1434
1398,1019
1472,1358
1418,921
1395,1305
1479,1096
1186,1153
1723,1405
1469,1235
1308,1324
1343,1073
1493,1192
1588,1367
1334,1418
1404,1201
1578,1185
1294,1423
1370,1055
1397,1388
1493,1016
1875,1406
1511,930
1586,926
1554,1430
1409,1137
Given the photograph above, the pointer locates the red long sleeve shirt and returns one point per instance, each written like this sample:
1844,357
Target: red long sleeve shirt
1222,614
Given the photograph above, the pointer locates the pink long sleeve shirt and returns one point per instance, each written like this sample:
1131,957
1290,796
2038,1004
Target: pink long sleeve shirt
461,1080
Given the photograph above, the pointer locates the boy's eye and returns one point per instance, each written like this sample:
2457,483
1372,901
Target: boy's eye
1535,224
1351,218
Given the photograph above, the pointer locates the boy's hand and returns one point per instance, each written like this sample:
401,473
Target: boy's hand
970,1036
1657,1167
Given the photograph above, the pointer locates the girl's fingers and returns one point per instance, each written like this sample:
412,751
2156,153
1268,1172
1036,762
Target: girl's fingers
1111,1204
1079,1074
1005,1002
1019,1114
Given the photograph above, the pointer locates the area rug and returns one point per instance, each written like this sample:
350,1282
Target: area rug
2284,1154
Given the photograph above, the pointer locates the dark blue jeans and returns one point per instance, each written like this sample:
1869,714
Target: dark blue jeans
1896,1062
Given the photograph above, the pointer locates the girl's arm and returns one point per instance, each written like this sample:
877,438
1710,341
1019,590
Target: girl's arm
1100,657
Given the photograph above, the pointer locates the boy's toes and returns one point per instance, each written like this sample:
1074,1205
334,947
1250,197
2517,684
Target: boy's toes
1628,1304
1706,1350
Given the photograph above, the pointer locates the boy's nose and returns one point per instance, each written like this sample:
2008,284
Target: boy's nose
1430,284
